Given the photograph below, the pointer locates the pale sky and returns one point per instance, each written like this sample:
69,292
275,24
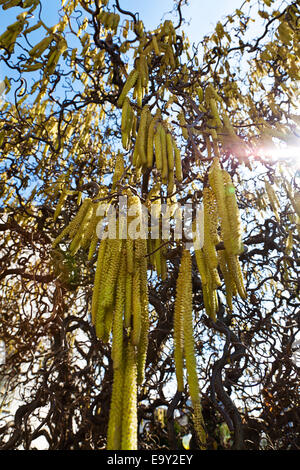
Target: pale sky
202,15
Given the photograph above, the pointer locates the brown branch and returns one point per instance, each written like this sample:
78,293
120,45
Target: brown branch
32,277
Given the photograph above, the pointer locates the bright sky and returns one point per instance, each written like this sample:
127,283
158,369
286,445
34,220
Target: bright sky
201,15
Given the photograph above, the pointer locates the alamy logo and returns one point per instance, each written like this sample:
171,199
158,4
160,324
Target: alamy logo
165,221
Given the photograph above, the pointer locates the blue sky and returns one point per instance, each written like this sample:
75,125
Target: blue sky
202,15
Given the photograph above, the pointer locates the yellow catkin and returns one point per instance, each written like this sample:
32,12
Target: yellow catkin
73,226
139,92
115,412
274,203
129,254
236,272
158,149
140,249
214,303
164,171
93,246
136,306
208,146
108,323
117,337
209,200
200,94
189,348
170,152
199,425
143,70
182,122
210,231
109,286
214,112
97,280
234,214
201,266
119,170
129,407
62,198
145,323
178,164
142,135
76,222
150,142
178,330
171,183
207,301
155,45
229,128
126,123
209,249
209,290
82,229
135,158
128,300
214,278
76,242
130,82
216,181
230,288
90,230
101,309
133,132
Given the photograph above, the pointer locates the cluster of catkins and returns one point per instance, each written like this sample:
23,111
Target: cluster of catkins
120,310
222,242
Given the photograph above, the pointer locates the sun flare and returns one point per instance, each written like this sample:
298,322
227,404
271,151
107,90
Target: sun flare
289,154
